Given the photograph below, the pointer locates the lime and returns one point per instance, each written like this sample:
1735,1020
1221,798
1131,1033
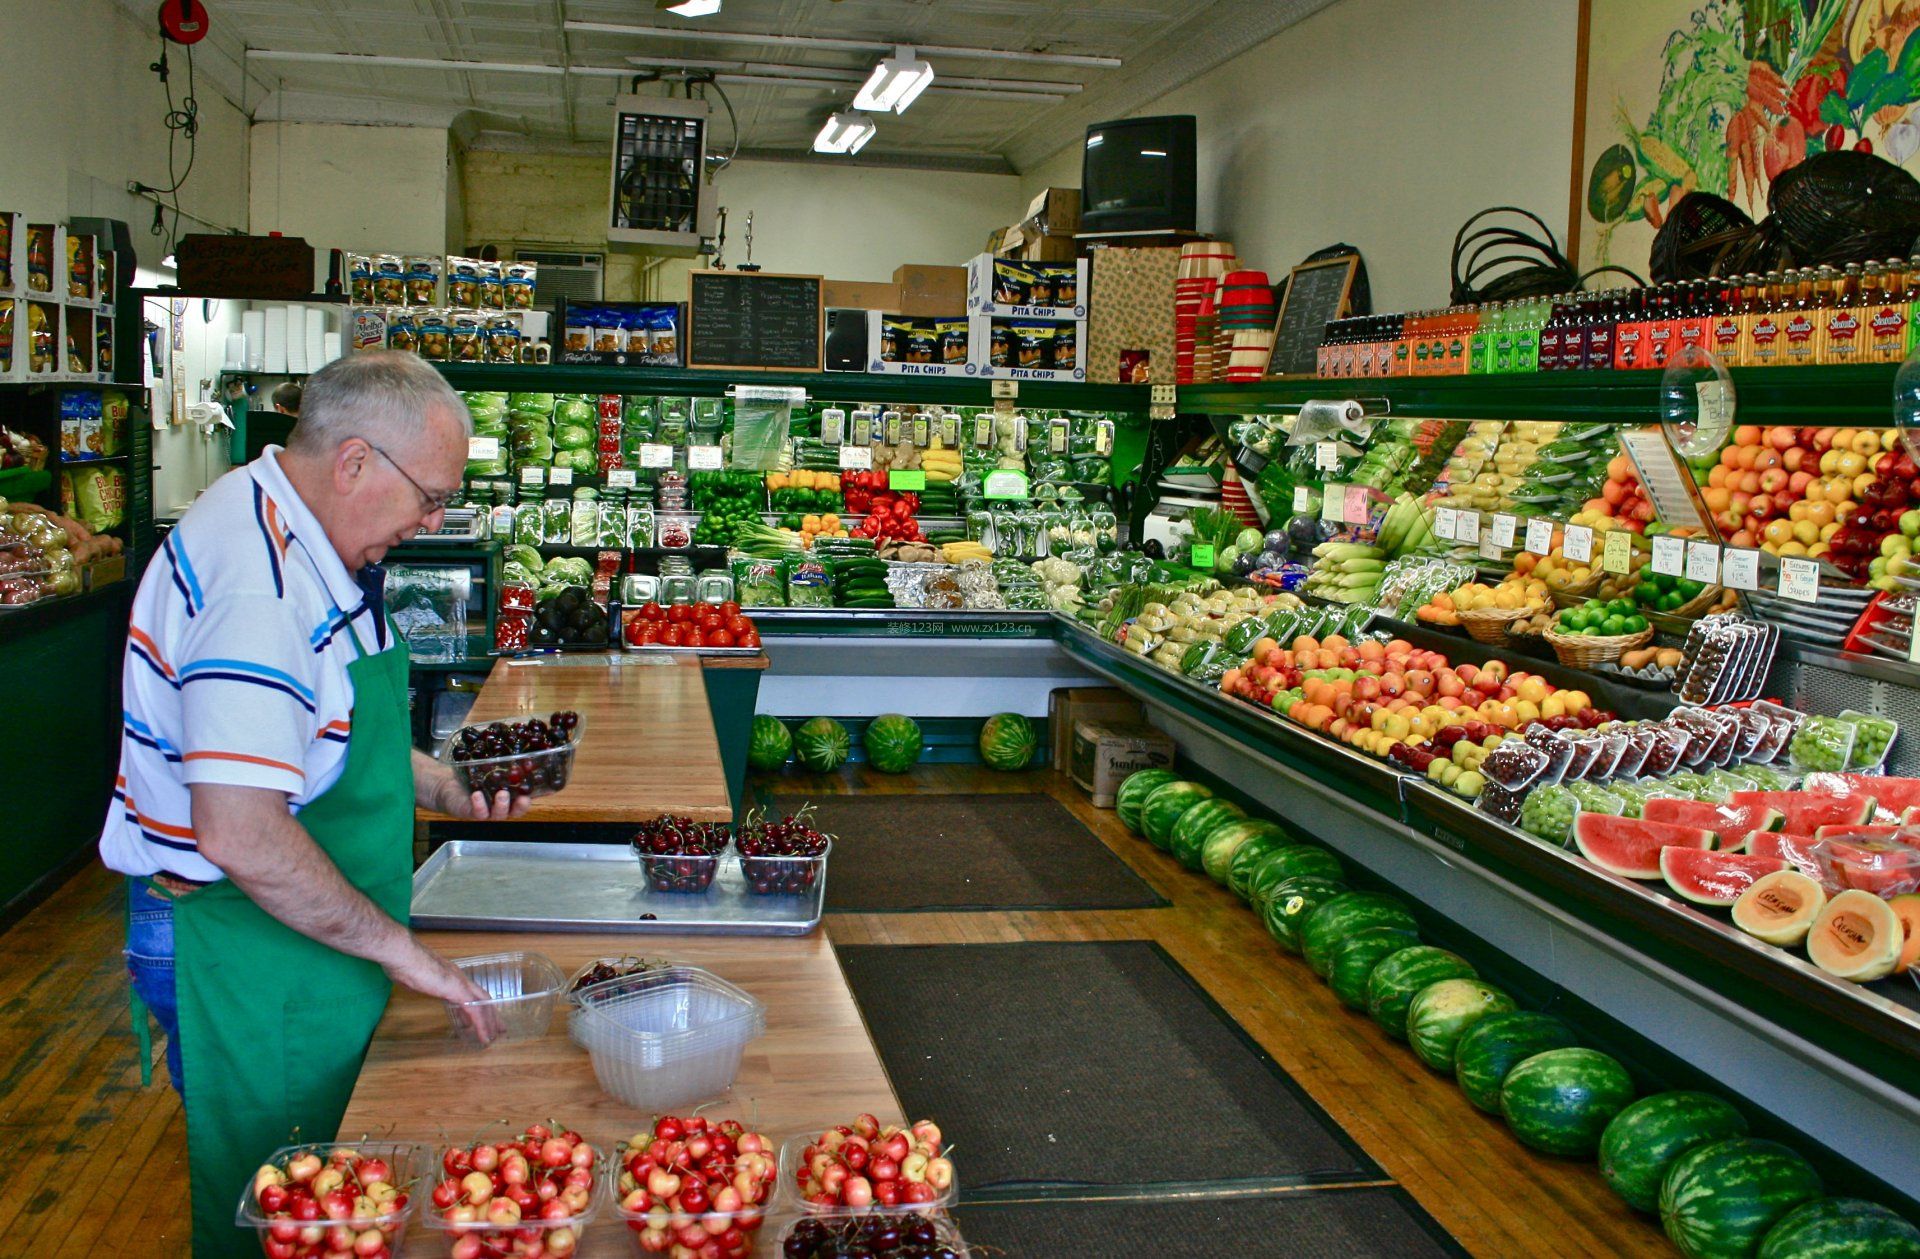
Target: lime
1646,591
1635,625
1688,587
1613,625
1623,606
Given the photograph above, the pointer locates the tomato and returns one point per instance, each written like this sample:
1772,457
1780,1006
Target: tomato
749,639
680,613
729,608
719,638
696,637
675,636
708,624
738,625
652,612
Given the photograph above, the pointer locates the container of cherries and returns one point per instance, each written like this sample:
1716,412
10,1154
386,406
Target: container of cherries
782,858
525,758
679,854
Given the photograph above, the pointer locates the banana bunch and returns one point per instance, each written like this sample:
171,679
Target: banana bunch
961,552
941,464
1346,572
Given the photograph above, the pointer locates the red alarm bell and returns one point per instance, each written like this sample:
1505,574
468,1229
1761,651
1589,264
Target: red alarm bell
183,21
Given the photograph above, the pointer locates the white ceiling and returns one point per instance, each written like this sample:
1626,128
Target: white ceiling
1160,43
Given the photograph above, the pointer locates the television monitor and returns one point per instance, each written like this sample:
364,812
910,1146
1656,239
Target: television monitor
1137,175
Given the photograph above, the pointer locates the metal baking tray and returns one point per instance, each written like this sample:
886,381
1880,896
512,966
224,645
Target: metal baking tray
486,885
692,651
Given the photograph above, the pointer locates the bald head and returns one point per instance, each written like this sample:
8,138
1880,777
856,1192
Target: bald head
386,397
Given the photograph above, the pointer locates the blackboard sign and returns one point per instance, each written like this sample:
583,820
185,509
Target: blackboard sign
755,321
1317,294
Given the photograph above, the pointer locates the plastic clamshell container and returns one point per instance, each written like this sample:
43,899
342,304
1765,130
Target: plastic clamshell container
679,874
411,1165
749,1220
790,1198
573,988
1822,744
1869,728
557,761
522,989
669,1038
947,1232
783,876
509,1239
1885,867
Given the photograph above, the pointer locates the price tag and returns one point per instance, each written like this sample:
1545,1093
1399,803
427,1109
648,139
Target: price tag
533,476
1357,505
833,426
1103,438
1504,527
863,428
1539,536
560,476
895,426
858,458
949,429
1740,569
620,479
907,479
1577,544
1333,503
1669,556
1302,499
1466,527
1006,388
922,430
1617,555
1490,549
1326,456
1058,434
1715,405
656,455
482,449
1799,579
983,430
1444,523
1202,556
703,458
1703,563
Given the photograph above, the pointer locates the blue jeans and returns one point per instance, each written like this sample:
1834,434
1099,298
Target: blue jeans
150,965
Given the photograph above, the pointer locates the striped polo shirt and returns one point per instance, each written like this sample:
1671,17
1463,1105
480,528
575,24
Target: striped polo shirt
236,667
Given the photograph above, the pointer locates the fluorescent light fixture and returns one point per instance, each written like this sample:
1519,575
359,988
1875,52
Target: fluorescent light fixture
845,134
1095,140
895,83
1153,152
695,8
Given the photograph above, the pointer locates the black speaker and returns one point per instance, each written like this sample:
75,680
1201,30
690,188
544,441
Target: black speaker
846,339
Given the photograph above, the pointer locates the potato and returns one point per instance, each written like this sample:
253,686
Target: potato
1668,657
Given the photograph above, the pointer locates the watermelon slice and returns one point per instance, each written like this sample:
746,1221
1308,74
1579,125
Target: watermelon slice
1882,867
1910,816
1730,822
1631,847
1806,812
1713,878
1795,850
1895,795
1871,831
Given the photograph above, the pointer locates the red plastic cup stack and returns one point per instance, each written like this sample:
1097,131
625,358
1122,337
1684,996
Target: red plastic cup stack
1246,324
1234,499
1202,263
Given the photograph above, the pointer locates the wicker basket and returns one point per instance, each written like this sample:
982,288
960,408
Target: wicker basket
1677,621
1489,625
1574,596
1583,651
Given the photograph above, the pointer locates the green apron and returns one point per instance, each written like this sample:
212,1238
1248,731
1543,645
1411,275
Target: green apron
273,1025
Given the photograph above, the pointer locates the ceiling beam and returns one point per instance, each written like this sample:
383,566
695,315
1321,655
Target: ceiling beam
852,76
841,45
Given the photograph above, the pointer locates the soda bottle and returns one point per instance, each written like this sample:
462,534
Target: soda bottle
1630,331
1800,333
1526,337
1551,332
1480,344
1764,326
1885,312
1606,314
1693,326
1843,339
1662,326
1723,332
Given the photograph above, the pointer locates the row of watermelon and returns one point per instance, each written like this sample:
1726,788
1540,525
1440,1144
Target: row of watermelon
1720,1193
893,743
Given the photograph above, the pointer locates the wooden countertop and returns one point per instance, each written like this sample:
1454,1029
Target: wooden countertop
815,1065
647,747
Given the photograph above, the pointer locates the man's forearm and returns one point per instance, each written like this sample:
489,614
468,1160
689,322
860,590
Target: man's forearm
430,782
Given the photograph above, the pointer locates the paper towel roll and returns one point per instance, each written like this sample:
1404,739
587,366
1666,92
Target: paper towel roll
275,358
253,326
316,339
330,348
236,360
297,339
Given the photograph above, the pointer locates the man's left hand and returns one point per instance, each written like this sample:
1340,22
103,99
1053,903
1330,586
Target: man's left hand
476,807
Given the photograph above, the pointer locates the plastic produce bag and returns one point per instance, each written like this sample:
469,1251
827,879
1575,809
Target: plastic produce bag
762,424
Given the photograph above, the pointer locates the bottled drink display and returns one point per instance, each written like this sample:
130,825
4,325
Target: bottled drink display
1860,313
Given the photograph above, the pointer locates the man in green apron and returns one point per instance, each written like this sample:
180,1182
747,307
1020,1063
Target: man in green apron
268,778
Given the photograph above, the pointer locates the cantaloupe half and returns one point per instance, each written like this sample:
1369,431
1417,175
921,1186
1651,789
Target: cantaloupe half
1906,907
1780,908
1857,937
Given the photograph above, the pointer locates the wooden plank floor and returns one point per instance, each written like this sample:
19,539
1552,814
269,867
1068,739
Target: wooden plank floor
97,1165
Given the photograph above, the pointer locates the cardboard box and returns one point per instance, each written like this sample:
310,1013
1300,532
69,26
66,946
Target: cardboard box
983,288
1054,212
980,351
1067,706
880,365
1105,754
103,572
928,290
861,295
1135,312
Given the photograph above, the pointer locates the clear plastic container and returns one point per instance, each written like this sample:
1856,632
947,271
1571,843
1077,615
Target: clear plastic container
793,1171
688,1229
673,1037
409,1167
783,876
543,772
1822,744
1873,739
635,969
528,1237
715,586
522,989
945,1232
1558,748
679,874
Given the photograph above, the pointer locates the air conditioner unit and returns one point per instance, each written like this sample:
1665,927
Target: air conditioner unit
661,201
573,277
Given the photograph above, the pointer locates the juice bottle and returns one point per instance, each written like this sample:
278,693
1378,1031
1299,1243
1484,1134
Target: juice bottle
1606,314
1630,331
1548,355
1844,337
1692,322
1764,327
1480,344
1885,312
1912,296
1723,333
1662,326
1800,320
1500,361
1526,337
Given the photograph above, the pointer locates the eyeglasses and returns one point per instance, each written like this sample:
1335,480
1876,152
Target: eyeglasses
431,502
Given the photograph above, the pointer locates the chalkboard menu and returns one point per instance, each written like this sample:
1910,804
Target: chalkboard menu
1316,295
755,321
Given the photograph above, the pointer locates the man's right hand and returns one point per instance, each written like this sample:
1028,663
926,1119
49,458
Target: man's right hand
426,972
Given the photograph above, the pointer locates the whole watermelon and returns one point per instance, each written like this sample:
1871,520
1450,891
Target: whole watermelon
1402,976
1355,956
1290,903
1841,1228
1344,915
770,744
1134,792
1293,860
1196,825
1246,863
1008,742
822,744
1442,1013
892,743
1217,854
1643,1140
1560,1101
1164,807
1720,1199
1497,1044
